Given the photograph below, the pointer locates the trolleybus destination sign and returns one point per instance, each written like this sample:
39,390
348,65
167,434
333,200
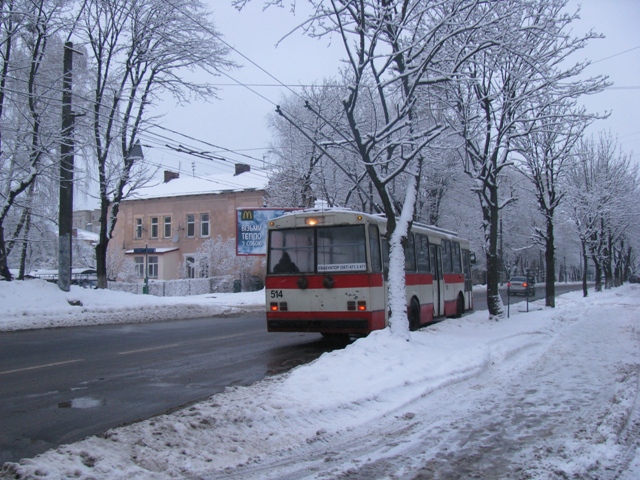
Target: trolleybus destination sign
251,229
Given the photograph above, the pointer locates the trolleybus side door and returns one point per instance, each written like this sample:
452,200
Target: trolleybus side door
438,281
468,285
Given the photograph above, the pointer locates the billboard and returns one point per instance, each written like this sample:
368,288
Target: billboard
251,229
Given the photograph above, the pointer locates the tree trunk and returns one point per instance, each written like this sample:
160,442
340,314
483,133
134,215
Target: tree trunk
598,273
494,301
585,259
550,262
25,244
4,268
101,247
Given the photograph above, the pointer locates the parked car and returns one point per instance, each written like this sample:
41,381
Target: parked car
521,286
634,278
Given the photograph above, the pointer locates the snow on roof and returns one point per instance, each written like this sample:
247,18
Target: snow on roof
87,235
154,250
221,183
41,272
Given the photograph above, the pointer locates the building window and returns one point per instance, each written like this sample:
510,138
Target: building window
191,225
139,263
167,227
154,227
153,266
190,263
138,229
204,224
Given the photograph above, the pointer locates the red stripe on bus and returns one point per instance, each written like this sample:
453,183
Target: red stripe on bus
418,279
453,278
427,278
281,282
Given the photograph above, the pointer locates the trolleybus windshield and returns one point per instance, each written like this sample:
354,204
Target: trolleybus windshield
328,249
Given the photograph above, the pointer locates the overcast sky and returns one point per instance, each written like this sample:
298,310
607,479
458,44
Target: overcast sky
237,121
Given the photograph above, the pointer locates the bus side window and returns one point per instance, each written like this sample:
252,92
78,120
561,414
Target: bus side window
446,256
422,253
374,249
456,257
385,257
409,254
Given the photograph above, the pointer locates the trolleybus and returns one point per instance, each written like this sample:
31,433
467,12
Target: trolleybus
327,273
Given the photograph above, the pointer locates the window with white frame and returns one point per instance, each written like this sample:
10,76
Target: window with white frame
139,263
191,225
138,229
204,224
154,227
153,266
167,227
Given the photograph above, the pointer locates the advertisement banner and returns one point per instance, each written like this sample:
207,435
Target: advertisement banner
251,229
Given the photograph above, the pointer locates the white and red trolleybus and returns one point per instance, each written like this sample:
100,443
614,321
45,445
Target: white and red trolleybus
326,273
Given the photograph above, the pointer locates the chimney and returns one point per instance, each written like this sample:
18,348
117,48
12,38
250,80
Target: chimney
169,175
241,168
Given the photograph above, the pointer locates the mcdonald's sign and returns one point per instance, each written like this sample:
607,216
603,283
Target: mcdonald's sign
251,229
246,215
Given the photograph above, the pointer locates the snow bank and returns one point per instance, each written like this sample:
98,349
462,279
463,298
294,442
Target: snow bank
40,304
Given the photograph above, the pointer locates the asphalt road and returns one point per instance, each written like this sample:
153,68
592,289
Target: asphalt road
61,385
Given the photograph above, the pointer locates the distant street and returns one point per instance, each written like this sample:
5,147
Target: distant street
480,298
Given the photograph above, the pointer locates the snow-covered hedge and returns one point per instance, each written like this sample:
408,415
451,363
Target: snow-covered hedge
179,288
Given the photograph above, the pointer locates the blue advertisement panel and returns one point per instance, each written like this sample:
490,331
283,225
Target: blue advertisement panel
251,229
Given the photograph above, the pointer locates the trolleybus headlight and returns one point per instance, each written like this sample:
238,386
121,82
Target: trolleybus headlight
312,221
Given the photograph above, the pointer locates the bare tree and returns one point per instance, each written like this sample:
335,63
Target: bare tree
547,151
29,84
393,50
139,49
217,256
300,173
603,184
495,98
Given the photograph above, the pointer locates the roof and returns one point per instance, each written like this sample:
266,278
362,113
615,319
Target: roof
153,250
87,235
222,183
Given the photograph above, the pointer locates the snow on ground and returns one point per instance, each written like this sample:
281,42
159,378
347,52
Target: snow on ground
545,394
41,304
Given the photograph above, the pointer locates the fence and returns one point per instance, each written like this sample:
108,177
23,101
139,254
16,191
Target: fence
179,288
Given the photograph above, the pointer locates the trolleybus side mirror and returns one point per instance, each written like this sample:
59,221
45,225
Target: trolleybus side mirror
472,257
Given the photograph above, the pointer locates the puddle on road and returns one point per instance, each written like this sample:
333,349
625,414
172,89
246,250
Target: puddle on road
83,402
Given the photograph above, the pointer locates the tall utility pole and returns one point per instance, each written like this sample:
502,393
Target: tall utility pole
65,213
